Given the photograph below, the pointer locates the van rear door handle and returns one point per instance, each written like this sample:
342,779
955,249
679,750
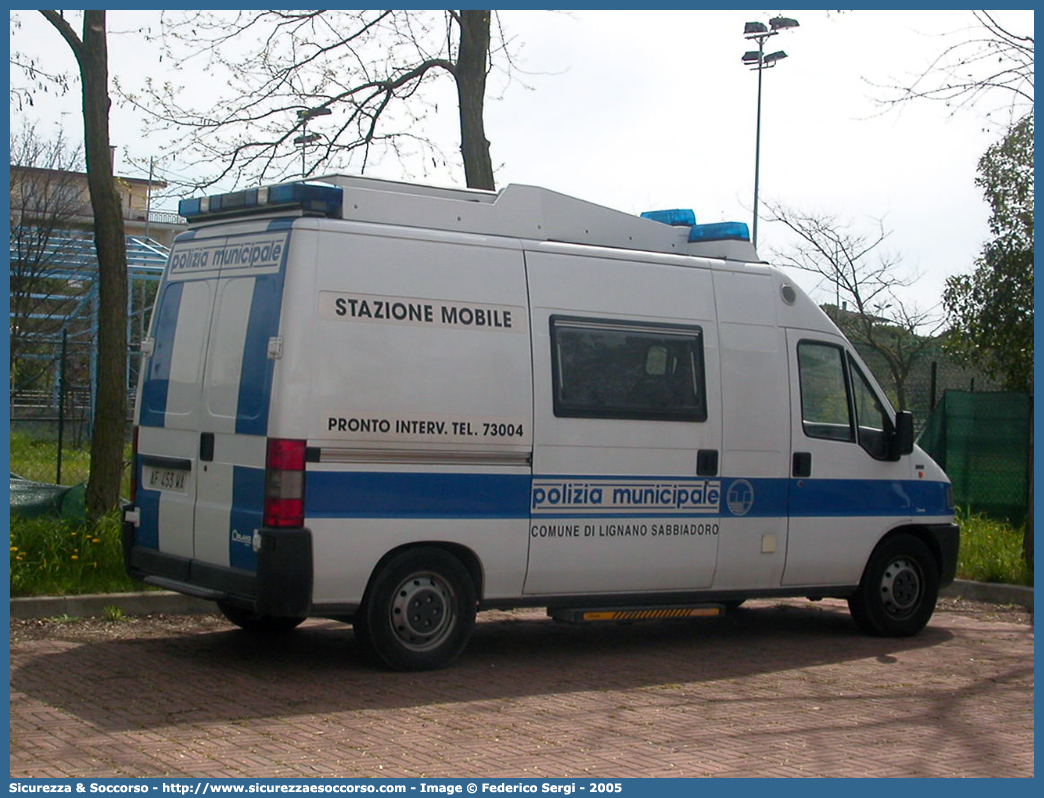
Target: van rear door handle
206,446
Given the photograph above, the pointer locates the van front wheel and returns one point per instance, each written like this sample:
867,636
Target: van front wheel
899,588
419,612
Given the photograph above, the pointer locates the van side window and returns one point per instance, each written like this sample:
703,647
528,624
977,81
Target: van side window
825,409
627,370
871,418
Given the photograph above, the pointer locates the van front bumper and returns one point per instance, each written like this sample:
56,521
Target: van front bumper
281,586
947,542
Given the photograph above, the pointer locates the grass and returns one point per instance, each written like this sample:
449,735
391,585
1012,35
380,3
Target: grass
37,459
55,556
991,551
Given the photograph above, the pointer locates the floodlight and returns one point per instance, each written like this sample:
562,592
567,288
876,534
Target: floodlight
759,62
311,113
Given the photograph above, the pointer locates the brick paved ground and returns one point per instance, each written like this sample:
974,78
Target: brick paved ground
780,688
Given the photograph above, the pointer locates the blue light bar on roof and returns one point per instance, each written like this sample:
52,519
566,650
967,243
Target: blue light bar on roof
312,199
677,217
720,231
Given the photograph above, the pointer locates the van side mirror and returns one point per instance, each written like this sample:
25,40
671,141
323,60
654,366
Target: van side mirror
902,439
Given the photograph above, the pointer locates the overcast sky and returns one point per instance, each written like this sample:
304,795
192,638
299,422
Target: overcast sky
654,109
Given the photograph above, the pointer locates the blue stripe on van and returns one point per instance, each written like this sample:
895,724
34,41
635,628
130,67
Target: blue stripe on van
349,494
818,498
248,499
147,502
440,495
255,382
768,499
157,378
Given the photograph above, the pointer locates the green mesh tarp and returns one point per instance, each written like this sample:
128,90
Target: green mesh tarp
982,440
30,499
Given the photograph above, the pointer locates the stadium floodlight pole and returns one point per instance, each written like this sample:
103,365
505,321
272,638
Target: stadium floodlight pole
757,60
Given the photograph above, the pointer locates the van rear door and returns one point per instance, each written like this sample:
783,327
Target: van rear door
168,414
203,408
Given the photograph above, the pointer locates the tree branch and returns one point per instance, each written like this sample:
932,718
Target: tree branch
370,68
65,29
962,74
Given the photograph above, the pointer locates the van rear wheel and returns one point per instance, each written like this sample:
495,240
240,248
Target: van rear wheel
899,588
250,621
419,611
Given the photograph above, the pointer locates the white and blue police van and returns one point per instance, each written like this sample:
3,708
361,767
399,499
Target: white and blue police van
398,405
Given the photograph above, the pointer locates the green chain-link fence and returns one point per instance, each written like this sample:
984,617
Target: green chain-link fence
982,440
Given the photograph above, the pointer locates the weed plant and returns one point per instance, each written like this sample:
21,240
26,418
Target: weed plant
54,557
991,551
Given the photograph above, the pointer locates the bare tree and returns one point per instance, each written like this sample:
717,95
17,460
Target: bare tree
859,271
110,412
309,91
40,80
48,217
986,58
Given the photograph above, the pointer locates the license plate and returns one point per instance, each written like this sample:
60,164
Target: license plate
165,479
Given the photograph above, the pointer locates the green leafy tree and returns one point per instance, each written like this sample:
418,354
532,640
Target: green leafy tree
992,308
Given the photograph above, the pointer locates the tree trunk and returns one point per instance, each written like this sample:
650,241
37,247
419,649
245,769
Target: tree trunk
471,93
110,412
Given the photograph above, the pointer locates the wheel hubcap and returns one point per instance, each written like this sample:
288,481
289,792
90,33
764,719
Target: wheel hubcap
422,614
901,587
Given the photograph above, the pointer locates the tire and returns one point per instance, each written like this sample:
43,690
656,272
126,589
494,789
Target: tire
419,611
250,621
899,588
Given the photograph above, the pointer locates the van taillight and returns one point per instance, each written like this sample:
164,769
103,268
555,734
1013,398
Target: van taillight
284,483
